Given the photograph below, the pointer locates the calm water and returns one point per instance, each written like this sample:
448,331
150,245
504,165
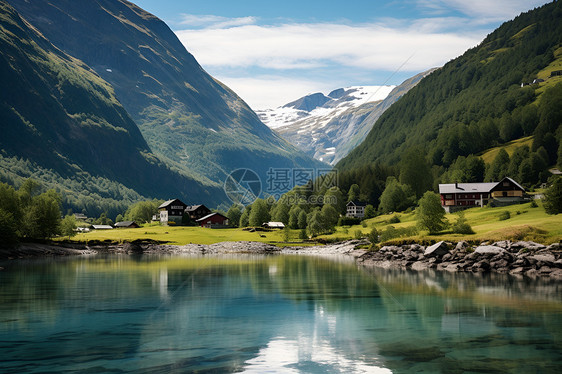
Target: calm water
270,314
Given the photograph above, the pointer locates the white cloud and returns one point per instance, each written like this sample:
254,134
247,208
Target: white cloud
305,46
270,91
213,21
482,11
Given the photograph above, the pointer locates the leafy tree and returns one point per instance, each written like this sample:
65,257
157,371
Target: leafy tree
142,211
316,224
461,225
234,213
42,217
498,168
373,235
302,220
396,196
119,218
334,197
103,219
353,193
280,212
553,196
68,226
259,213
415,171
244,218
8,229
370,211
430,214
294,216
330,216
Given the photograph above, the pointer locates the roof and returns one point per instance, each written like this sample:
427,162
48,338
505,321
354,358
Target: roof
209,216
356,203
101,227
275,224
169,202
473,187
466,187
124,224
192,208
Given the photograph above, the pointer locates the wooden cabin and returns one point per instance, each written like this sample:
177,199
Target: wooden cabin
171,211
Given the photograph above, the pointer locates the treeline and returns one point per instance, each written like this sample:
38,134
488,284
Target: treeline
27,213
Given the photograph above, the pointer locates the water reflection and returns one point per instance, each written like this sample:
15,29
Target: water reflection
280,313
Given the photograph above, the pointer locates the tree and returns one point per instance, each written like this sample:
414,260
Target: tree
8,229
370,211
302,220
334,197
280,212
430,214
461,226
315,223
373,236
294,216
234,213
415,171
103,219
142,211
553,196
353,194
119,218
330,217
396,196
497,170
68,226
259,213
42,217
244,218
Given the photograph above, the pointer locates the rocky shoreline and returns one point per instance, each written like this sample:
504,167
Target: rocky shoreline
516,258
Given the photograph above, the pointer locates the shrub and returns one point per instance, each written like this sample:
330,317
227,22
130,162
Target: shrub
504,215
534,204
348,221
373,236
358,234
363,223
394,219
461,226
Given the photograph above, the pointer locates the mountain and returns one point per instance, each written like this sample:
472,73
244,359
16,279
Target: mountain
479,100
329,127
63,125
189,119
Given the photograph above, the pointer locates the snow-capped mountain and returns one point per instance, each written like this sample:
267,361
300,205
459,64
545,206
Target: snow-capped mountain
318,105
329,127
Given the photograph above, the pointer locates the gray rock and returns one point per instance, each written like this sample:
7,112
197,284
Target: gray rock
546,258
461,246
488,250
532,246
502,244
436,250
420,265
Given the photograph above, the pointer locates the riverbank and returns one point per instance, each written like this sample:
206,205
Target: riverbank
521,258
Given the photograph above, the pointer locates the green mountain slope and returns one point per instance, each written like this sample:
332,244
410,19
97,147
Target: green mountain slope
62,124
476,101
186,116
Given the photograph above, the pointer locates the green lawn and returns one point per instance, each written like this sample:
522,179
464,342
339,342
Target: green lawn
489,155
526,223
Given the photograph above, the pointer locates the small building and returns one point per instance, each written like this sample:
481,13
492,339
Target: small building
171,211
197,211
355,209
80,216
127,224
213,220
102,227
274,225
555,73
458,196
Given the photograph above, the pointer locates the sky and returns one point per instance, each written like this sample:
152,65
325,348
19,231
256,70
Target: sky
272,52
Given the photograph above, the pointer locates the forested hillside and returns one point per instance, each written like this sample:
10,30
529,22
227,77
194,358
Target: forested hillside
475,102
61,124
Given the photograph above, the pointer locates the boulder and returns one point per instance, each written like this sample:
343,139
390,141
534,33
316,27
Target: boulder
436,250
461,246
488,250
532,246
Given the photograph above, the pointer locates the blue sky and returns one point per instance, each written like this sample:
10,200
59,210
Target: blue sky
272,52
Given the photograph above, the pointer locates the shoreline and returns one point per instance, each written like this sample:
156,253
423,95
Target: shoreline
523,258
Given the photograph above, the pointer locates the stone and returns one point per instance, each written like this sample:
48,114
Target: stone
420,265
547,259
532,246
436,250
461,246
488,250
502,244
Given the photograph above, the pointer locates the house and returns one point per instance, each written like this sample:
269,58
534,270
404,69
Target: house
102,227
213,220
127,224
80,216
274,225
171,211
356,209
458,196
197,211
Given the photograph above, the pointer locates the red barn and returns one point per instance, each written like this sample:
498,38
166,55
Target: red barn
213,220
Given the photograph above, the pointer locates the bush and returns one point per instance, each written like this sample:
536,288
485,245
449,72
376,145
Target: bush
363,223
461,226
392,232
553,196
348,221
534,204
504,215
373,236
358,234
394,219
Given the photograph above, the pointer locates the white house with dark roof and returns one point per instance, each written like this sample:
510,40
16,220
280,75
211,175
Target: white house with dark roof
355,209
458,196
171,211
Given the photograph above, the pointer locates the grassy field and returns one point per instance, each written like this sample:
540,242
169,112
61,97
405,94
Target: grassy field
526,223
489,155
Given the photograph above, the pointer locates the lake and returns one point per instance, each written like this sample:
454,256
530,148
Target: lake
276,314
